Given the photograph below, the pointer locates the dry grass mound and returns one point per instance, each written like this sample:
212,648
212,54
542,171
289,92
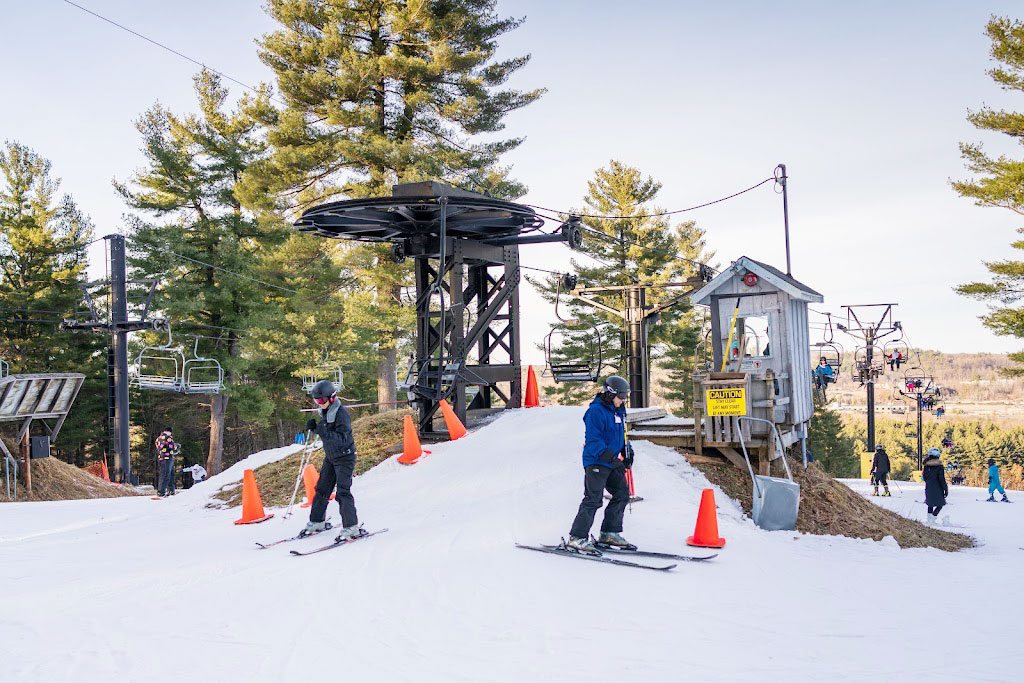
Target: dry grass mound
53,479
374,435
830,507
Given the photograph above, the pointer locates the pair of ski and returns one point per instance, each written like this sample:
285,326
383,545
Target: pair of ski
336,543
566,552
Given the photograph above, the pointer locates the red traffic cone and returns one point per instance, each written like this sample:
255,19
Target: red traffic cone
411,450
705,535
252,504
532,395
456,430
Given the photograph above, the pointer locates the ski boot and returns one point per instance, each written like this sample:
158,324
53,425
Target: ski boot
991,498
314,528
875,491
932,519
350,532
887,492
1005,499
583,546
614,539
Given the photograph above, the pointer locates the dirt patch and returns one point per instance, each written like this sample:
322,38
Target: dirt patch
53,479
375,435
830,507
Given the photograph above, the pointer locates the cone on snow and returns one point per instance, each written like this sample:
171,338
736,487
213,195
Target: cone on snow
411,450
456,430
532,395
106,472
309,479
705,535
252,504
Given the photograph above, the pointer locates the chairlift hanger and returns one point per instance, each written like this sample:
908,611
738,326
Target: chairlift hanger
588,370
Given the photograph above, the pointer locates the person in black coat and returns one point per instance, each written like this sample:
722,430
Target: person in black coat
335,431
880,470
935,488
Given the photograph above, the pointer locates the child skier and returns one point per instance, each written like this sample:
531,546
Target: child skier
198,473
606,456
935,488
335,430
993,483
880,470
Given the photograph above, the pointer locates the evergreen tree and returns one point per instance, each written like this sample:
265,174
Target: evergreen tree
833,449
629,246
205,249
1001,185
43,242
379,92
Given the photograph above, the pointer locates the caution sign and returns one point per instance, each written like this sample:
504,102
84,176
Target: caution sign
726,401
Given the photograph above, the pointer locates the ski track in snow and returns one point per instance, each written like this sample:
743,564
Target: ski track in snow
169,590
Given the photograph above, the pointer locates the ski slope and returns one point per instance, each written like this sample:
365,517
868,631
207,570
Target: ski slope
170,590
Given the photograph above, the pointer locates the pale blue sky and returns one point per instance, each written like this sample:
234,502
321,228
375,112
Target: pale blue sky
865,102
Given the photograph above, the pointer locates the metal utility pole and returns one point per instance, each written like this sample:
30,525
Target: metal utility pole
118,325
781,178
866,368
924,386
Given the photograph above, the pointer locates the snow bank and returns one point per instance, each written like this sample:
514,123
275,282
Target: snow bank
444,595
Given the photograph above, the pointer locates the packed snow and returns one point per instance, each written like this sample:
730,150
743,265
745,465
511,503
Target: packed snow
171,590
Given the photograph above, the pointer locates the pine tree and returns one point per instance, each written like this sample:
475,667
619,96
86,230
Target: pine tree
833,449
205,249
379,92
629,246
43,242
1001,185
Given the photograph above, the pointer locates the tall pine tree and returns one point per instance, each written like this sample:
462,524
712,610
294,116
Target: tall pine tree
630,246
1001,184
379,92
203,246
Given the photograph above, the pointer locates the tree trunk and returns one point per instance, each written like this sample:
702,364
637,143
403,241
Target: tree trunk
282,437
387,367
218,407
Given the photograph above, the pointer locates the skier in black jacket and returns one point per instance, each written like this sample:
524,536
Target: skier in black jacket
935,488
335,430
880,470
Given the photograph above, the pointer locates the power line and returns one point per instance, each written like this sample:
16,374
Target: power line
661,213
236,274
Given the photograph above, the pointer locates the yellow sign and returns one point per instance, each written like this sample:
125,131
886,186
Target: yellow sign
727,401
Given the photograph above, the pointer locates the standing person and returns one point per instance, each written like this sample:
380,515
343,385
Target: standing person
880,470
994,484
606,456
935,488
335,431
166,449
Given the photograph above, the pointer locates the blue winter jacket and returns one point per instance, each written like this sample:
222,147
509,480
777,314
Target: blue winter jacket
606,431
993,474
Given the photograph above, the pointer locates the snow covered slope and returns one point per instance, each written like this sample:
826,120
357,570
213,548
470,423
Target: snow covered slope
136,589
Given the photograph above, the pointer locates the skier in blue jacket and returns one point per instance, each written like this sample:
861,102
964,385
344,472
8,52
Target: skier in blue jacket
606,456
994,484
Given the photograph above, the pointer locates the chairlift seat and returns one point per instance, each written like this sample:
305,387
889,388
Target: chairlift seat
573,372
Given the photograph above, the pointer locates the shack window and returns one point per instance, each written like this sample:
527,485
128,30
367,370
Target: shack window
756,337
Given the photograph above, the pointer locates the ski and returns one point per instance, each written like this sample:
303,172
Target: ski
558,550
647,553
292,538
338,543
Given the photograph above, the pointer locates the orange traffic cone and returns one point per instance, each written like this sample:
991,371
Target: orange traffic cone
532,396
456,430
106,472
309,478
411,450
705,535
252,504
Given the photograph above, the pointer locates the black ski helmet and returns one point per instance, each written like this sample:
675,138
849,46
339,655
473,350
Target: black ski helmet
618,386
323,389
991,461
879,447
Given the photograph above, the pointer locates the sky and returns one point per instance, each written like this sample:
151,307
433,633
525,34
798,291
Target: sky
864,102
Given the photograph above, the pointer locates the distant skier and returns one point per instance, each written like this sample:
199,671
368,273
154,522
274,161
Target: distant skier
880,470
335,430
823,374
166,449
197,471
994,484
935,488
606,456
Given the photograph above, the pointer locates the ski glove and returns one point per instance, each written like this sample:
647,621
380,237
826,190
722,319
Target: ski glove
311,425
627,456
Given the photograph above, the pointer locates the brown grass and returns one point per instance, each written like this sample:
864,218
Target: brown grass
830,507
375,435
56,480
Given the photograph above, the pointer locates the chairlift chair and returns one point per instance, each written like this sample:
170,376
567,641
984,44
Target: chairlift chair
831,352
202,375
159,367
895,346
310,376
565,370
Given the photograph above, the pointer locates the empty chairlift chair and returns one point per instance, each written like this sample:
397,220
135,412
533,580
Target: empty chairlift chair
564,369
202,375
159,367
312,375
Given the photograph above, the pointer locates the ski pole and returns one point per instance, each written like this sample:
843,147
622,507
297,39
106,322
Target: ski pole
307,453
897,486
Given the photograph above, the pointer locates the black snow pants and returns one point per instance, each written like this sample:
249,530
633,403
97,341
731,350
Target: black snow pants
336,472
882,478
595,481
